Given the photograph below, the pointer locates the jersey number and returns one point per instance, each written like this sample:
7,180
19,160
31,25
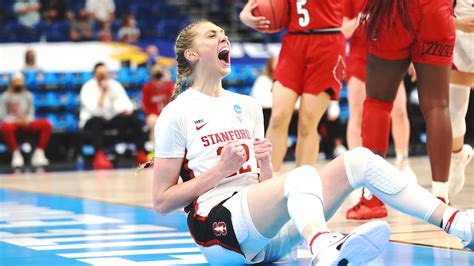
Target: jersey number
303,21
242,169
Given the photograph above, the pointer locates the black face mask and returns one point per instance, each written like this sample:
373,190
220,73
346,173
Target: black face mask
158,75
18,88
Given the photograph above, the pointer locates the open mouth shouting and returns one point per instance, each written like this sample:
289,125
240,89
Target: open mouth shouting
224,52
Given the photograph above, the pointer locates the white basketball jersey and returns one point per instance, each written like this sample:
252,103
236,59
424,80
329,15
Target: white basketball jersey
195,126
464,8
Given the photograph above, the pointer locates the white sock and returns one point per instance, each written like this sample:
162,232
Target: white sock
367,194
454,223
401,155
440,189
303,191
319,241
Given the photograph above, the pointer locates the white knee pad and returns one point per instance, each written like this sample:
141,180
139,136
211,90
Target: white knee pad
458,104
304,179
364,168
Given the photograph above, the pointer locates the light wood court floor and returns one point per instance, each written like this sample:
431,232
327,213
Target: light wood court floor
124,187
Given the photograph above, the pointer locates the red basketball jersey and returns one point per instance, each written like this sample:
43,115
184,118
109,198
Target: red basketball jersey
352,8
315,14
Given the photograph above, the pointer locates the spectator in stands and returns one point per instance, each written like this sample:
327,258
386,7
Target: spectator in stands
81,26
106,106
27,12
30,62
101,10
53,11
129,32
156,95
262,89
18,114
105,33
153,56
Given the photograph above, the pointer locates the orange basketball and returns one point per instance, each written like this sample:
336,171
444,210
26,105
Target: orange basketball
276,11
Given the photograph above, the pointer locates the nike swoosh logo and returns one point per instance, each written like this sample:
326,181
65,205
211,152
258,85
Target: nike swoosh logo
201,126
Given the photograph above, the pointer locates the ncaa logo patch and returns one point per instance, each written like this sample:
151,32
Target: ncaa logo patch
237,109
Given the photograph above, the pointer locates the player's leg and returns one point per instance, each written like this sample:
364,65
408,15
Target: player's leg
433,90
299,196
401,131
284,100
311,110
322,82
459,90
355,97
382,82
363,168
285,91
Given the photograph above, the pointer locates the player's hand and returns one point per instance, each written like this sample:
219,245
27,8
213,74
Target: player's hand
261,24
465,24
232,157
22,122
412,72
263,150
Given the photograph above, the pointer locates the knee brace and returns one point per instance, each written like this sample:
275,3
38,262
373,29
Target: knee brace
375,128
458,104
306,180
364,168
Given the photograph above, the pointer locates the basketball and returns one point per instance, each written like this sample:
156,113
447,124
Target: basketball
276,11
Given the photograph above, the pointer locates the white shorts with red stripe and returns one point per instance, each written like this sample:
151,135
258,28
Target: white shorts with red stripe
252,246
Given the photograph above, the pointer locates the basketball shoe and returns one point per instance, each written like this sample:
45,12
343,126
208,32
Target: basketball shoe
101,161
361,245
459,161
367,208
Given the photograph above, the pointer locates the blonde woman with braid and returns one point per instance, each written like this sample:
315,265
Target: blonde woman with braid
236,212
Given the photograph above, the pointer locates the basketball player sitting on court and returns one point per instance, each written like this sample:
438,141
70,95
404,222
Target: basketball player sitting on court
237,213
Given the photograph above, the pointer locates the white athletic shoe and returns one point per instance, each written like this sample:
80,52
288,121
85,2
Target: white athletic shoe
17,159
361,245
459,161
39,159
469,233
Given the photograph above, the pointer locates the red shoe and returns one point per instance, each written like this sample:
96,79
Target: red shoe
141,157
367,209
101,161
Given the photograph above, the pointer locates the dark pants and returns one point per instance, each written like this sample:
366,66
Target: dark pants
128,128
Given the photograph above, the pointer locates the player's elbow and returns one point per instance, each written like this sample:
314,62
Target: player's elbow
160,206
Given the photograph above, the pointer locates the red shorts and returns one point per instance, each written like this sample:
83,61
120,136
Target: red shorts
434,26
312,63
356,66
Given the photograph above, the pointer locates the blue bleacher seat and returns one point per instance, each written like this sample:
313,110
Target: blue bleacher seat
141,76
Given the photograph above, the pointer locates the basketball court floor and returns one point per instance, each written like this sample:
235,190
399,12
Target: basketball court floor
106,218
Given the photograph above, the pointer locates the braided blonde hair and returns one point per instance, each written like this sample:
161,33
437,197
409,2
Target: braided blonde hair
184,41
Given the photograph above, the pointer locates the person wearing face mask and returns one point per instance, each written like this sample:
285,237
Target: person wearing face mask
106,106
155,96
30,61
129,32
17,114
